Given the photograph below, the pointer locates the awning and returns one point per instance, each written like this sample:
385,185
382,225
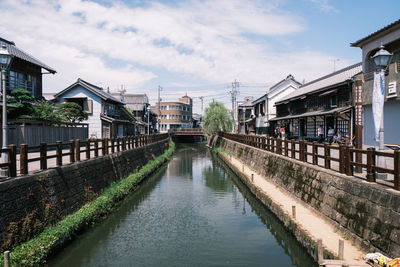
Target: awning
314,113
329,92
112,120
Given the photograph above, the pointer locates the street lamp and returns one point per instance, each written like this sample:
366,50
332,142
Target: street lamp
381,60
5,62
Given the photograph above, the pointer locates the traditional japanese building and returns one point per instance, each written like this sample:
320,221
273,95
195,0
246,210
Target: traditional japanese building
389,37
327,101
25,71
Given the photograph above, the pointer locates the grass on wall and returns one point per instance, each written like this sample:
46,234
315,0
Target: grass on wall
35,251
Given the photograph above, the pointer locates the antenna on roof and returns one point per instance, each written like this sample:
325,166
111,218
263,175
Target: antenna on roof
108,89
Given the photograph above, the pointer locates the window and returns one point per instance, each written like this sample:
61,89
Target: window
18,80
333,100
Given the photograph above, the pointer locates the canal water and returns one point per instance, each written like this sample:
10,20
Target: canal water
191,212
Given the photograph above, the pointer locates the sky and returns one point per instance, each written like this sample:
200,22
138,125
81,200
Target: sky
193,47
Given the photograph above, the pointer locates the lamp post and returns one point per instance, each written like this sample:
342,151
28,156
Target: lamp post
5,62
381,60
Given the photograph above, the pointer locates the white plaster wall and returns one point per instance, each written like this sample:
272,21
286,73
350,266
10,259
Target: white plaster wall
391,124
94,118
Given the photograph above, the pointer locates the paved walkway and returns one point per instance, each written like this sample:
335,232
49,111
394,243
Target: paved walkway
306,217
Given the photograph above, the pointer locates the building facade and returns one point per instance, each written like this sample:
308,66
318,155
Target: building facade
264,107
25,71
327,102
246,117
174,115
107,115
388,36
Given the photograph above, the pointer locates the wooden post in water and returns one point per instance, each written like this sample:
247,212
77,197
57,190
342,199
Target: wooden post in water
294,212
252,177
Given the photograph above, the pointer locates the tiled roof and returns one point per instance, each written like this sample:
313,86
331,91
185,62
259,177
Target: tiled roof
16,52
325,82
92,88
388,27
134,101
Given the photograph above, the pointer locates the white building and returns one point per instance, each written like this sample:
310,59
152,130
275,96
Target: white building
264,107
107,115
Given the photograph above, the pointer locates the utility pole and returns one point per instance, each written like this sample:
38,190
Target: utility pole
235,89
334,63
158,111
201,98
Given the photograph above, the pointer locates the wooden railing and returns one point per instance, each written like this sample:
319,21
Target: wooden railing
73,149
312,152
186,131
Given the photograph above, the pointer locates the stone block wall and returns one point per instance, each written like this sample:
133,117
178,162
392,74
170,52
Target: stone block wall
31,202
367,213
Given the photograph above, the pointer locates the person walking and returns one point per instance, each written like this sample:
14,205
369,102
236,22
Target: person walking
320,133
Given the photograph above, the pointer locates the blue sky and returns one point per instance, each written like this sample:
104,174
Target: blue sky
196,47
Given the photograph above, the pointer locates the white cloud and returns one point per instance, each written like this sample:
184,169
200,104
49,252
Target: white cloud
204,39
324,5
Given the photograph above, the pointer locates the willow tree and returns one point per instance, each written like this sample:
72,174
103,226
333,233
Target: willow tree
217,118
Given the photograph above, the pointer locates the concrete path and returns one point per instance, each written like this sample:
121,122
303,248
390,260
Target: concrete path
306,217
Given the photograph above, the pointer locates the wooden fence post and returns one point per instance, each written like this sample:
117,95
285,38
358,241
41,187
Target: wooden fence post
327,155
301,150
118,144
273,144
59,153
342,159
12,160
96,148
314,153
124,143
279,146
77,150
349,158
43,156
286,141
136,141
23,158
71,151
371,164
87,148
396,165
293,148
105,146
112,145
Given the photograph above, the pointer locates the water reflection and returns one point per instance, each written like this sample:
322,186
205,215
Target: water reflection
191,213
283,238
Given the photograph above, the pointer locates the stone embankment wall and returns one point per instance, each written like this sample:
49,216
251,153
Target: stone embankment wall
367,213
32,202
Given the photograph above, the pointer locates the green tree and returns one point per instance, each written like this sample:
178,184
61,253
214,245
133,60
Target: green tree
22,101
71,112
217,118
45,112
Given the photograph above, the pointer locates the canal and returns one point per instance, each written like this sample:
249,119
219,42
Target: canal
191,212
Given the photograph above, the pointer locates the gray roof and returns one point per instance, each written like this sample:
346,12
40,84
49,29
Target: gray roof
133,101
248,102
373,35
92,88
325,82
16,52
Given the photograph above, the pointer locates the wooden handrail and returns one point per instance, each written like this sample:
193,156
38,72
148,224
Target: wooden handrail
346,160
